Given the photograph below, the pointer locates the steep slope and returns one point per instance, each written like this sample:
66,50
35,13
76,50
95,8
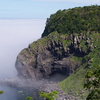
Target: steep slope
54,53
70,45
74,84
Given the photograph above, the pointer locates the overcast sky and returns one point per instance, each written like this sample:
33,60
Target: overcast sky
38,9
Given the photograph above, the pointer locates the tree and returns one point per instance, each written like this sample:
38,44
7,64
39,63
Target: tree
49,96
93,84
29,98
1,92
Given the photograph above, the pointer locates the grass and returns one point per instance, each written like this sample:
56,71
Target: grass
75,82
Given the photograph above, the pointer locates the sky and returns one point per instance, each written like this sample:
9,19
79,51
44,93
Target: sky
38,9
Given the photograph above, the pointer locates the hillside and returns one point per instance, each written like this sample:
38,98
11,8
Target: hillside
70,45
75,20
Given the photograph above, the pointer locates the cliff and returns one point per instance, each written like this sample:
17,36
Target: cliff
70,45
66,40
55,54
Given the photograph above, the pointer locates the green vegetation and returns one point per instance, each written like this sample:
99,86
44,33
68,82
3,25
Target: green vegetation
74,20
1,92
49,96
76,81
29,98
93,84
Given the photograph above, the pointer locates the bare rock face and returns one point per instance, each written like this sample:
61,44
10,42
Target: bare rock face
52,54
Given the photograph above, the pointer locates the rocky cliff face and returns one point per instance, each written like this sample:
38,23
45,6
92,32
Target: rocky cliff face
54,54
69,35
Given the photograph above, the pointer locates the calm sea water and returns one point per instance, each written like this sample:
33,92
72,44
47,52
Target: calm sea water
15,35
15,93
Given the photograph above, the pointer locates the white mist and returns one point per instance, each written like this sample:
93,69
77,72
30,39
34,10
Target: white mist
15,35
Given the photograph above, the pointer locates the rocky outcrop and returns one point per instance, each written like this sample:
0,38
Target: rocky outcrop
61,95
53,54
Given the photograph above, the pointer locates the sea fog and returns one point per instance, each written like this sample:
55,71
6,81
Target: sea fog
15,35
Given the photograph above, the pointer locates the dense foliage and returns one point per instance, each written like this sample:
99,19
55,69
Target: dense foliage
29,98
74,20
93,84
1,92
49,96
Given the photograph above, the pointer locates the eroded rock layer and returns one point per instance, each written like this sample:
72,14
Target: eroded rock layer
54,54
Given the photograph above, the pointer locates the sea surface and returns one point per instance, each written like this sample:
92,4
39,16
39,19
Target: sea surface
15,35
18,93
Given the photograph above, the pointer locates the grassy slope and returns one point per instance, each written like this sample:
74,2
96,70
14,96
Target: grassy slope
75,82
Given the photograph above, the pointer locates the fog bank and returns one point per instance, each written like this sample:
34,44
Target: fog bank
15,35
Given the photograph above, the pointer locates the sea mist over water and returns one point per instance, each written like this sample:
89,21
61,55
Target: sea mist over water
15,35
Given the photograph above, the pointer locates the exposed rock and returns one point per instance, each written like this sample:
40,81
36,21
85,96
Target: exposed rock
52,54
61,95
